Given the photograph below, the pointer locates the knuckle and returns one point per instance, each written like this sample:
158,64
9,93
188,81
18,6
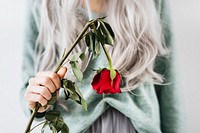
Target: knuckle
48,97
51,90
58,84
43,92
53,76
45,102
46,80
42,101
56,80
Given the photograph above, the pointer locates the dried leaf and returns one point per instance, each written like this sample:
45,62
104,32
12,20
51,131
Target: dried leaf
76,70
82,100
102,18
101,38
89,41
65,129
58,123
51,115
53,99
108,37
73,92
108,27
82,56
84,104
51,126
76,56
97,49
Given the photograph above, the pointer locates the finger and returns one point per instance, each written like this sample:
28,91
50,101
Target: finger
61,72
43,81
54,77
41,109
40,90
34,97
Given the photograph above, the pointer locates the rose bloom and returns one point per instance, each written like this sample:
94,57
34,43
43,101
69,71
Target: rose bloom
103,84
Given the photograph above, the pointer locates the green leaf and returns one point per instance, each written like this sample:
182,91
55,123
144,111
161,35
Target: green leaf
84,104
55,122
89,41
96,23
68,84
96,50
82,100
93,25
72,93
64,82
93,42
51,126
76,56
51,115
101,38
53,99
68,91
109,39
108,27
58,123
75,97
65,129
78,91
102,18
82,56
76,70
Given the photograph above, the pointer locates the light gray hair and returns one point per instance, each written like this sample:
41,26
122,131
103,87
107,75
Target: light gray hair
136,24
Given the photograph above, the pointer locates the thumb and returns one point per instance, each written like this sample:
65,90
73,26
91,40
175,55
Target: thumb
61,72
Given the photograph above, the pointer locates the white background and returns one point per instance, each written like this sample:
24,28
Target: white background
186,26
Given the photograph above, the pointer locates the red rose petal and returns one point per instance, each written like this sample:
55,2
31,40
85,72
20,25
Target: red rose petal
116,82
96,81
103,85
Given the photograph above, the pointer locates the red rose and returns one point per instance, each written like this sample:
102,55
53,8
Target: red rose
103,84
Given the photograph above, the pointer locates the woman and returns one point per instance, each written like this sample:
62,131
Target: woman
150,101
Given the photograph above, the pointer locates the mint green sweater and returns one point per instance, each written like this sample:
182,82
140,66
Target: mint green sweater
151,108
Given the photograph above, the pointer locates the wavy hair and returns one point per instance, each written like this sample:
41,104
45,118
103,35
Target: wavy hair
136,24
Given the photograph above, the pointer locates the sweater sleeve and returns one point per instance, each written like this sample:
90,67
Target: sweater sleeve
169,95
28,62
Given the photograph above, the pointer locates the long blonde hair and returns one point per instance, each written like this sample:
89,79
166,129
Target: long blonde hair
136,24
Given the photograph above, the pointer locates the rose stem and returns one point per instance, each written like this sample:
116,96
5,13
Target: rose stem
37,106
108,56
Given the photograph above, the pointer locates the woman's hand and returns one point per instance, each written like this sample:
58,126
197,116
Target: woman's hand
41,86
